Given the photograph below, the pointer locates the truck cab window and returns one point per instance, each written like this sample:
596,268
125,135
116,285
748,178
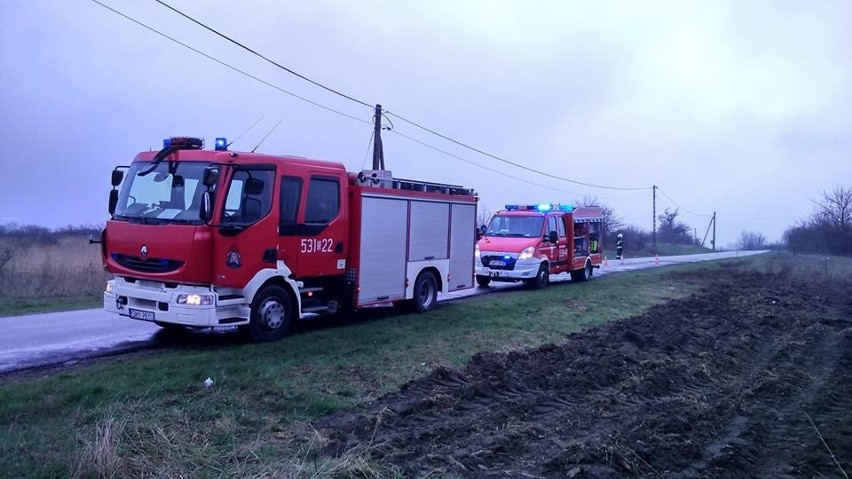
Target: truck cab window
249,196
291,191
323,200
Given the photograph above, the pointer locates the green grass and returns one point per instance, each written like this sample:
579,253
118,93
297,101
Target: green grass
19,306
149,415
663,249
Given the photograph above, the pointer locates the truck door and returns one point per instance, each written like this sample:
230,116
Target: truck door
313,229
245,240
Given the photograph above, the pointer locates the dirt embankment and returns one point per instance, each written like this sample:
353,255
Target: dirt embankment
751,377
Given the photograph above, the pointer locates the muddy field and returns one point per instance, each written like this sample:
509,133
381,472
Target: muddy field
751,377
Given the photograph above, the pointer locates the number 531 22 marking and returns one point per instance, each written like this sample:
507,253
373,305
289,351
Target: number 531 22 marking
311,245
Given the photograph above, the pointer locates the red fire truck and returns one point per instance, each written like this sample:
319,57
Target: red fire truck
210,238
530,242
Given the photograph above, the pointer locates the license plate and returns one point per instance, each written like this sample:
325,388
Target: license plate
143,315
496,262
495,274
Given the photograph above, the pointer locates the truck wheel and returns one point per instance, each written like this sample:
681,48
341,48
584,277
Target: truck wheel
271,314
483,280
425,292
542,278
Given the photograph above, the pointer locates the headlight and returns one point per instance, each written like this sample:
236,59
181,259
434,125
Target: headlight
476,251
527,253
108,287
195,299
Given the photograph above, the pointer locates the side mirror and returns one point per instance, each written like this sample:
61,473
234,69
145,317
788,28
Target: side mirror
113,201
211,176
480,231
205,212
117,176
552,237
253,186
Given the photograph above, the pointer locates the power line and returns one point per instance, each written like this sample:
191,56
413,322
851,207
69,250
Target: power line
230,66
477,150
512,162
213,30
427,145
681,207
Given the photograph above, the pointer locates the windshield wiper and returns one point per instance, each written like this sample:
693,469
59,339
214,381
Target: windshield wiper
158,158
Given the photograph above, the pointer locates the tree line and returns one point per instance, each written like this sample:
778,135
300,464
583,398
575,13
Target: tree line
828,230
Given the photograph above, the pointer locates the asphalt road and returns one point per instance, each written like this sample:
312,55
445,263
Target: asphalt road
65,337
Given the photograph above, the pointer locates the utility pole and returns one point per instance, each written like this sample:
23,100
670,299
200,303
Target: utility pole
655,218
714,231
378,151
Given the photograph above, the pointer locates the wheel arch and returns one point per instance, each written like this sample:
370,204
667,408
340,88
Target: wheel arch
279,276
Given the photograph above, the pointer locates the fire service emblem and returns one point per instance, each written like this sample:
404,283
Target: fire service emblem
233,258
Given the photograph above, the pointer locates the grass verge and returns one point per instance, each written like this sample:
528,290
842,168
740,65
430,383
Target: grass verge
150,415
20,306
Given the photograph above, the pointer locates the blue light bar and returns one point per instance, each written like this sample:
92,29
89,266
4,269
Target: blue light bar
167,142
221,144
541,207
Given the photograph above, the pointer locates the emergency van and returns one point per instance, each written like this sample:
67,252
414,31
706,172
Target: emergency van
531,242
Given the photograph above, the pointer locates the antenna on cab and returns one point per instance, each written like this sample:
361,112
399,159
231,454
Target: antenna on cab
267,135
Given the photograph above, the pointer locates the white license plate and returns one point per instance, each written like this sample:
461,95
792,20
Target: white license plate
496,262
495,274
143,315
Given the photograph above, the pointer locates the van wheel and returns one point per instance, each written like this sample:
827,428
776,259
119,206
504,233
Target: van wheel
582,274
483,280
271,314
425,292
542,278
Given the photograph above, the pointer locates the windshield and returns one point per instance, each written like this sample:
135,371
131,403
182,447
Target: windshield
171,193
516,226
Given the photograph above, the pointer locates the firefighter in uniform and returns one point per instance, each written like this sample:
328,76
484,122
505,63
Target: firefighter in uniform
619,246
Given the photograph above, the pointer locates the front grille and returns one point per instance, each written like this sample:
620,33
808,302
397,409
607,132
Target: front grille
509,263
150,265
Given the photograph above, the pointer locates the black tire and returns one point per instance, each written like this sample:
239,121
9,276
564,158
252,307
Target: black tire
542,278
483,280
271,314
582,274
425,292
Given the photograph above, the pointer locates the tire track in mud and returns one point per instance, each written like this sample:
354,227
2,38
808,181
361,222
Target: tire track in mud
713,385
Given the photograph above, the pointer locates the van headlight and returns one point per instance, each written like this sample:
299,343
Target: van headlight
476,251
527,253
108,287
195,299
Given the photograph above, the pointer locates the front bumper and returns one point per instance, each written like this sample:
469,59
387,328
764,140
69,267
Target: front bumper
524,269
157,302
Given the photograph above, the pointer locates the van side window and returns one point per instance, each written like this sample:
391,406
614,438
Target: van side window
551,224
323,203
560,226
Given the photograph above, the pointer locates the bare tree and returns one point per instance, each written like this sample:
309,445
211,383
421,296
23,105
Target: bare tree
750,240
611,221
835,208
483,215
672,230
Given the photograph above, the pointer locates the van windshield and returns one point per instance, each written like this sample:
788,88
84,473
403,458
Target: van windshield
171,193
515,226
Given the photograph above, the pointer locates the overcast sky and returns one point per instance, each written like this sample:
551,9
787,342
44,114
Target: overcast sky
742,107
